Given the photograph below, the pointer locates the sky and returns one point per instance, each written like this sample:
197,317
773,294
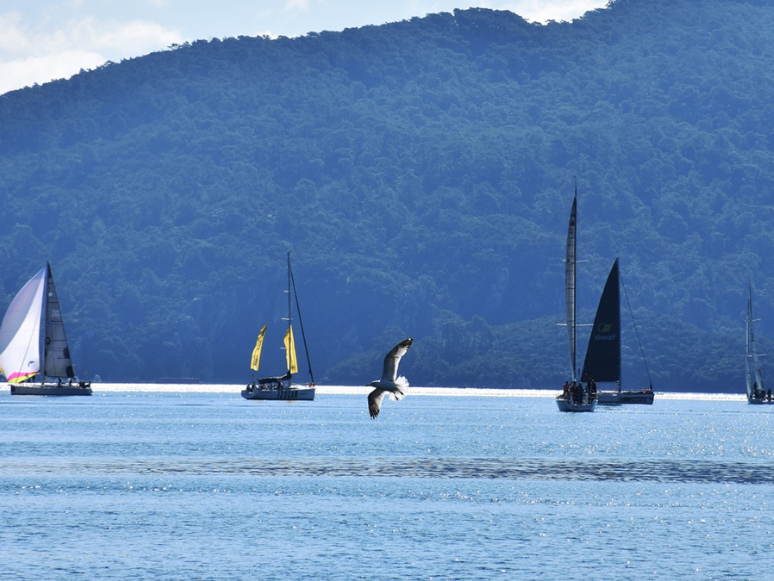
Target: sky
43,40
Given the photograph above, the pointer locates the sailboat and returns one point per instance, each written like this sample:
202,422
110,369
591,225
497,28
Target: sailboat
282,387
603,356
574,397
755,392
25,359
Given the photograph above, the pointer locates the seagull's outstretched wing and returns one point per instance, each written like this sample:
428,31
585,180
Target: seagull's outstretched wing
375,399
392,359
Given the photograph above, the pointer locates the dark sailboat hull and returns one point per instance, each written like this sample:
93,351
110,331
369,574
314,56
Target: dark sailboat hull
283,394
759,401
625,397
50,389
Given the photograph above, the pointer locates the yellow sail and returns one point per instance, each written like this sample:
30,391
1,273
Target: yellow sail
256,360
290,351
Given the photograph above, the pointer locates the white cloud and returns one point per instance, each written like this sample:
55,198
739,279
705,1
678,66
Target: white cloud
542,11
28,71
297,5
137,37
12,38
29,55
532,10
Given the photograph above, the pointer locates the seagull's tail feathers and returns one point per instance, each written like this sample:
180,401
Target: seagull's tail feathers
401,388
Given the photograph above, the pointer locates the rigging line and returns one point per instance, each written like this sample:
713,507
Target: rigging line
301,323
636,332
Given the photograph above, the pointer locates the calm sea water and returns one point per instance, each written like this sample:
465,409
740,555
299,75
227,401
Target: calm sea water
143,485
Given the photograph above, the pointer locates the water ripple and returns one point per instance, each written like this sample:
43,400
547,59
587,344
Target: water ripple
659,470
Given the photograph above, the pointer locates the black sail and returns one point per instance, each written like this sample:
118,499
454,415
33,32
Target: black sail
56,358
603,356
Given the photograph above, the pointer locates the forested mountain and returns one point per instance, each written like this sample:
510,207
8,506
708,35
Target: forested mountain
422,174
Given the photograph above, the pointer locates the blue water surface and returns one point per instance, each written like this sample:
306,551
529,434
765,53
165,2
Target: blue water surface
160,486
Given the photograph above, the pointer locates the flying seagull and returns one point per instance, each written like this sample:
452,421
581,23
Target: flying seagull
390,382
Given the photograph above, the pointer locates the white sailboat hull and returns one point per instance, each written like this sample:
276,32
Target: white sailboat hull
567,405
49,389
292,393
644,397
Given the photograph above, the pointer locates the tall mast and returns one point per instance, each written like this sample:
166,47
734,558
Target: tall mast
748,329
756,362
290,304
570,280
575,281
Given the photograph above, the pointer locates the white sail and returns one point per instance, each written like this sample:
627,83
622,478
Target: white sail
20,331
574,398
752,352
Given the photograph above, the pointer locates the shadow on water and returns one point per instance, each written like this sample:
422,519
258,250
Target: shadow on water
699,471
